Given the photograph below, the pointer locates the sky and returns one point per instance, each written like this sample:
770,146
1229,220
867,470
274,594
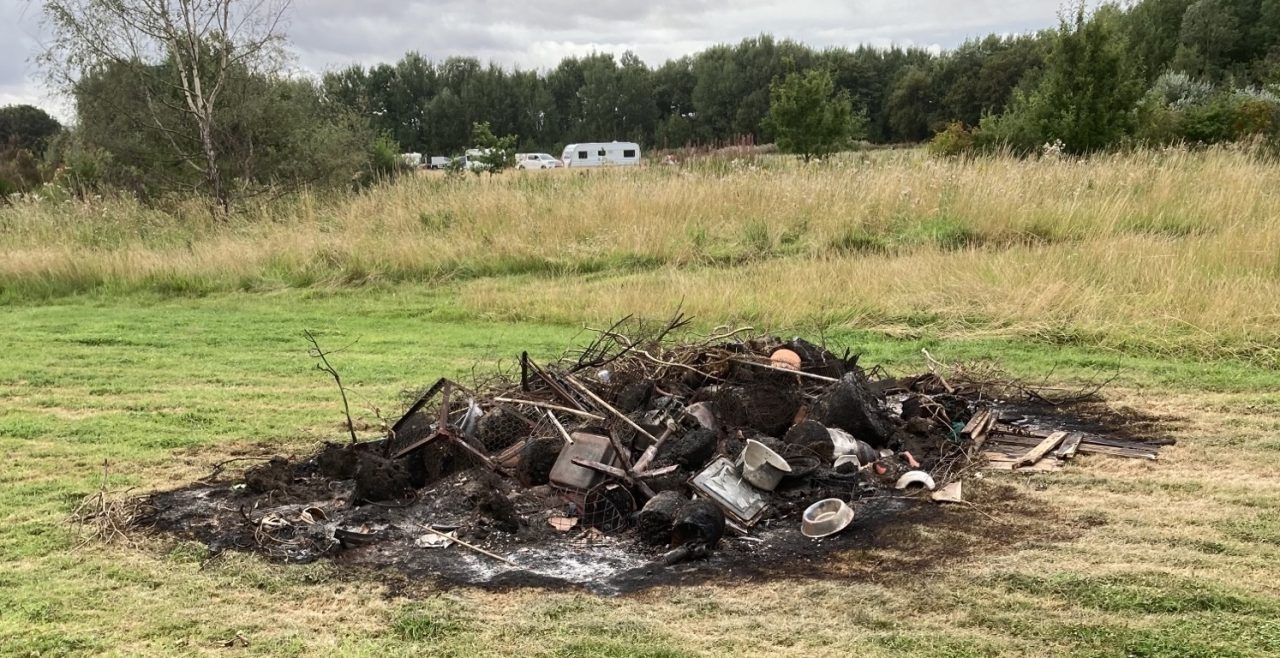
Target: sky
537,34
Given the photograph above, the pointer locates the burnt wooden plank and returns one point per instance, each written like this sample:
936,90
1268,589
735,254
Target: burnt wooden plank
1069,446
1085,447
1035,454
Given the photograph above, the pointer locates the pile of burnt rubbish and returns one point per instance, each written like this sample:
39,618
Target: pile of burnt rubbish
658,450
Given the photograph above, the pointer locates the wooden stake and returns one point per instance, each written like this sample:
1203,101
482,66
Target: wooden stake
544,405
800,373
475,548
567,438
652,450
626,459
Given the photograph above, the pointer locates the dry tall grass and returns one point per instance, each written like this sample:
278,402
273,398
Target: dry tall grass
1171,249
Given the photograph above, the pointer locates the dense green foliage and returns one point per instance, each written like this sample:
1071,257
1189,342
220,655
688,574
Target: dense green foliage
1084,97
26,127
1154,72
809,117
718,95
1079,84
273,133
25,131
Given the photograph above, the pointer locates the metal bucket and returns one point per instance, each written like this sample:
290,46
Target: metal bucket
762,467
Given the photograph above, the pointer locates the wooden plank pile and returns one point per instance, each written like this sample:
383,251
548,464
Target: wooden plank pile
1009,447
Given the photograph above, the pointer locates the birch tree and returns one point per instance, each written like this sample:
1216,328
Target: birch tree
182,53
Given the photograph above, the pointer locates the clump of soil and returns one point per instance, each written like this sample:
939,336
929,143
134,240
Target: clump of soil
378,478
850,405
633,396
689,451
537,458
440,459
487,497
275,475
699,523
658,517
810,435
500,429
762,406
337,461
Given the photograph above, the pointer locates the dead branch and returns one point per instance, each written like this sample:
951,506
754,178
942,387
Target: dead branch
105,516
324,366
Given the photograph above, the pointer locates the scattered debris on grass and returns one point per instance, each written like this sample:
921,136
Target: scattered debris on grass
637,453
106,515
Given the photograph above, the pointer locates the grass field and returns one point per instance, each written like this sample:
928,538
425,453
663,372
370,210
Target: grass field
1170,252
163,347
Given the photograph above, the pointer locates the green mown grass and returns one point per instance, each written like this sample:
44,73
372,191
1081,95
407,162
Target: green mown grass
1170,559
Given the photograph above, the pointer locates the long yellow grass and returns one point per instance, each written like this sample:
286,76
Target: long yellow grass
1157,248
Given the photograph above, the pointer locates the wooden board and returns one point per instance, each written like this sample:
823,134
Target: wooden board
1068,448
1035,454
1085,447
978,420
1117,452
950,493
1001,462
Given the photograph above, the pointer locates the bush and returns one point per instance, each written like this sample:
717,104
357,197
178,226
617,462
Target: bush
384,161
953,141
19,171
1255,117
76,169
1179,90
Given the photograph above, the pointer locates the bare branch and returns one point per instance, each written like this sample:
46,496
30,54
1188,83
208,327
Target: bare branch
324,366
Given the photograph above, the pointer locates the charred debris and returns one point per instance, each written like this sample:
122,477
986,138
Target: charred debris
638,451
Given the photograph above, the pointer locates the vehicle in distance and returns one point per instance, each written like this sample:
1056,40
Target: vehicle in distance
536,161
601,154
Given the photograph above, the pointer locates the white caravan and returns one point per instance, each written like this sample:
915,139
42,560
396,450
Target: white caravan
601,154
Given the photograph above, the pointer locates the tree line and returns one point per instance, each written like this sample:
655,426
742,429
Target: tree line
722,94
196,97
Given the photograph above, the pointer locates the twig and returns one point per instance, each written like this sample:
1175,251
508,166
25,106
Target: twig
220,466
324,366
475,548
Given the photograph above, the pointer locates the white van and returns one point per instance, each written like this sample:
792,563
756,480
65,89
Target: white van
536,161
601,154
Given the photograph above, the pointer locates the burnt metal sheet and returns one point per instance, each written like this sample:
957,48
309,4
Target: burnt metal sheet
723,484
587,447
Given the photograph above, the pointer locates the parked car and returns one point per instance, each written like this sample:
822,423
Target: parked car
601,154
536,161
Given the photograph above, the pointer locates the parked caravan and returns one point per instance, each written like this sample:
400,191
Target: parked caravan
601,154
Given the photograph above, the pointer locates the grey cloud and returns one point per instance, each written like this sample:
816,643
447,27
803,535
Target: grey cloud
537,34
